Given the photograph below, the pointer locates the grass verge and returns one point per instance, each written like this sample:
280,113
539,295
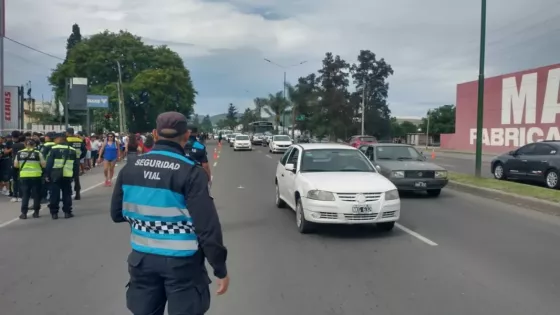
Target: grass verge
519,189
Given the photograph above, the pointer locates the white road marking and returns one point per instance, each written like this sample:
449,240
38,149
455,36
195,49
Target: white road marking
268,156
241,187
417,235
4,224
215,163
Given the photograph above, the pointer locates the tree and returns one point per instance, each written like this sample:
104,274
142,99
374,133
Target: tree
247,117
442,120
260,103
401,129
276,106
196,121
222,124
231,116
73,39
154,78
335,110
372,74
206,125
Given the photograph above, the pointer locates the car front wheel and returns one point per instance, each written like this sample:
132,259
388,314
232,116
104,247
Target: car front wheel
303,225
499,171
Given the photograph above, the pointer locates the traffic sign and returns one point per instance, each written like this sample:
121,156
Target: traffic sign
97,101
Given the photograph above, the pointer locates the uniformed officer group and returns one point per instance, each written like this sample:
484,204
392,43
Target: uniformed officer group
42,169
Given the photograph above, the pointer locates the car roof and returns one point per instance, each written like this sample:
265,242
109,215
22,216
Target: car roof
387,144
319,146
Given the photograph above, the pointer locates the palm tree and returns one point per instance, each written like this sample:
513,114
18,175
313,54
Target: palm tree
260,103
276,105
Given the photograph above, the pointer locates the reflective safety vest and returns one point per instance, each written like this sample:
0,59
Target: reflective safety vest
29,161
68,166
47,148
76,143
159,218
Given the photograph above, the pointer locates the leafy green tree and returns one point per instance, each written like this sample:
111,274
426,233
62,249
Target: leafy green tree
408,127
372,73
154,78
206,124
231,116
442,120
247,117
73,39
276,106
222,124
260,104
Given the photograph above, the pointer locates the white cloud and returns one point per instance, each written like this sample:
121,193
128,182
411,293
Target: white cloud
431,44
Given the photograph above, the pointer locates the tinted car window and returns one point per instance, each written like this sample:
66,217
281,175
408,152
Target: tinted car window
544,149
293,159
528,149
285,157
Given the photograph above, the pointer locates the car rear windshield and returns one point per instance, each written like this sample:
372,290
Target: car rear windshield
367,139
397,152
282,138
242,138
334,160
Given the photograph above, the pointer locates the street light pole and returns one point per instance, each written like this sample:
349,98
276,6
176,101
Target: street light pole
122,115
428,130
363,109
480,107
284,93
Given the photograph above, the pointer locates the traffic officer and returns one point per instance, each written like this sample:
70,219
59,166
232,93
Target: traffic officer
197,151
45,149
169,241
30,163
61,164
80,146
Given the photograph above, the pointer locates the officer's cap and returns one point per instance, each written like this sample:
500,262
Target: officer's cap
171,124
59,135
70,131
50,134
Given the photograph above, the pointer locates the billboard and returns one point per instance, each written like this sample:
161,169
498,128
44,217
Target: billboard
77,94
11,108
97,101
519,108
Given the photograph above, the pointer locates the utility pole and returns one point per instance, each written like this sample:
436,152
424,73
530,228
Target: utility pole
122,113
480,107
363,108
2,34
285,99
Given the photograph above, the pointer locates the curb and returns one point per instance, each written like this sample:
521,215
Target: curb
543,206
455,151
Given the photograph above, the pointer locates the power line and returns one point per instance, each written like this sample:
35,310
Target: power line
34,49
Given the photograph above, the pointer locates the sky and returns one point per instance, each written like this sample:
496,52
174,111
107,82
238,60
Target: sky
431,44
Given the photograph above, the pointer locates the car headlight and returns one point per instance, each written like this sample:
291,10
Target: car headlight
320,195
392,195
441,174
397,174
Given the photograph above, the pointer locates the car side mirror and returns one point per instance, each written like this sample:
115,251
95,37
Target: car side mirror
377,167
512,153
290,168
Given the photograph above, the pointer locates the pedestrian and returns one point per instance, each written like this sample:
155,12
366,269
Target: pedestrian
132,147
19,144
197,151
61,166
110,154
78,144
220,138
87,159
30,163
95,145
169,241
148,144
5,166
45,150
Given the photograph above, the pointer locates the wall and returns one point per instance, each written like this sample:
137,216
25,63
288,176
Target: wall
519,108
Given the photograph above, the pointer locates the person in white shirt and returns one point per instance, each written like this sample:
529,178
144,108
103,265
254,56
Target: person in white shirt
95,146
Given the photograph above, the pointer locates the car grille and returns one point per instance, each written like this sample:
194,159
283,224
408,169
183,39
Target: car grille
351,197
328,215
419,174
282,145
388,214
360,217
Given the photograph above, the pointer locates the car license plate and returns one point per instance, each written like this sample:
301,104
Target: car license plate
362,209
420,184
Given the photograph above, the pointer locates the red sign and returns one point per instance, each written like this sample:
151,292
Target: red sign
519,108
7,106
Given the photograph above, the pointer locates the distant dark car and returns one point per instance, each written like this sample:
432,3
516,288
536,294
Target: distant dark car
407,168
536,162
357,141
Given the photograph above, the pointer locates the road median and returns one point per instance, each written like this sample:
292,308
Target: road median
534,197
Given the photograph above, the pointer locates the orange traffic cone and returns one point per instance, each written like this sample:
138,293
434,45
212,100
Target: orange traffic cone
433,154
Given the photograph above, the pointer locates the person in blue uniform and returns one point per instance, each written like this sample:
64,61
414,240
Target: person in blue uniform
61,164
197,151
164,197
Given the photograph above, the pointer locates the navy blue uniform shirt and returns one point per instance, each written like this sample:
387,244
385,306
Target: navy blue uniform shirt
196,151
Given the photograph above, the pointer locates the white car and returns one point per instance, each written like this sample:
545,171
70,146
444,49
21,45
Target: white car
334,184
279,143
242,142
231,137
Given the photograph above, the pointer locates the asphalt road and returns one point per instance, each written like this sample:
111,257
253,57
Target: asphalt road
456,254
460,162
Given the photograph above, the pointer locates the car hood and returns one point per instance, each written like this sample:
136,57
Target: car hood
348,182
241,141
409,165
283,142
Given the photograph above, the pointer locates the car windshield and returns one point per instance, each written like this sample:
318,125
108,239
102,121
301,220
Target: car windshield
242,138
282,138
393,152
335,160
367,139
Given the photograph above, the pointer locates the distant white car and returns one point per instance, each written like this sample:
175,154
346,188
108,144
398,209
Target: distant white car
334,184
279,143
231,137
242,142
